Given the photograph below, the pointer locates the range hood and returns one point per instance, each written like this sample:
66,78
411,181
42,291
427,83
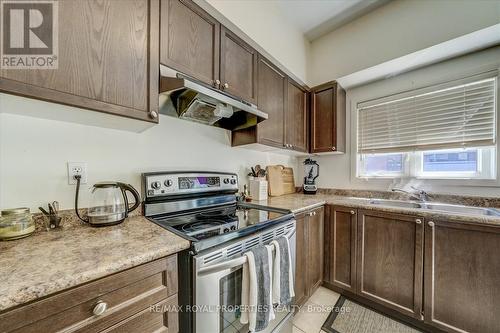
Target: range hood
189,99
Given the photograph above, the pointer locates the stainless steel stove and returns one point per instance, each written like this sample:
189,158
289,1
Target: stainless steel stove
203,208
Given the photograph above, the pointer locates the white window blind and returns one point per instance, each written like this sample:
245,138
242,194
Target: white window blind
446,116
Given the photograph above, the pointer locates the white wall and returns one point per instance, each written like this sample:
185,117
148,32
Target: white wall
338,171
394,30
263,22
34,152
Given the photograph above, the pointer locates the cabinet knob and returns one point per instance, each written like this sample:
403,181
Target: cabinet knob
226,85
352,212
100,308
333,148
153,114
418,221
431,224
217,82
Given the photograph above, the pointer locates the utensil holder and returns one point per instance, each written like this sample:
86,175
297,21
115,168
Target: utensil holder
258,188
52,221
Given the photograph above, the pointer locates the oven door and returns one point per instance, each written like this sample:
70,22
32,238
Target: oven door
217,285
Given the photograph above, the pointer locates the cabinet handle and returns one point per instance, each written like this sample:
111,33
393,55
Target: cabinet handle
333,148
431,224
314,213
352,212
418,221
226,85
153,114
217,82
100,308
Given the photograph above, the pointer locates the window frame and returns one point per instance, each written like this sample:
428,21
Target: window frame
426,77
413,166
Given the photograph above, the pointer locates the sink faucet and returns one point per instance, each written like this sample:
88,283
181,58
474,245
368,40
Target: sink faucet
419,194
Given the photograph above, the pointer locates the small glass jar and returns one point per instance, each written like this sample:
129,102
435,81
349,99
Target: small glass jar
16,223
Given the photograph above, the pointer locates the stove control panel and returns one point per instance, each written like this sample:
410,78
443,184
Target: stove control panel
174,183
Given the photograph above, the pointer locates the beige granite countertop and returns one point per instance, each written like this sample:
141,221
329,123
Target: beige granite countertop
299,202
51,261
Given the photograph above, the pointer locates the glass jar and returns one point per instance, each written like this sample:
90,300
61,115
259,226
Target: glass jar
16,223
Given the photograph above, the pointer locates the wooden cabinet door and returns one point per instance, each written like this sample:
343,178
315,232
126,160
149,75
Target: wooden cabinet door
462,277
340,237
301,252
390,260
296,117
271,99
189,40
315,249
238,67
328,118
107,59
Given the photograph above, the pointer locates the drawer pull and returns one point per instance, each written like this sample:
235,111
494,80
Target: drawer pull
418,221
153,114
100,308
431,224
352,212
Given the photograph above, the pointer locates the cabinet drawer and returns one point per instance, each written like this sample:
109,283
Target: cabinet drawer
125,293
160,318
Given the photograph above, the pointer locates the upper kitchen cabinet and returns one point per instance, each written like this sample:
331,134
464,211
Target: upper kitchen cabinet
195,44
270,99
296,117
107,61
328,122
190,40
238,67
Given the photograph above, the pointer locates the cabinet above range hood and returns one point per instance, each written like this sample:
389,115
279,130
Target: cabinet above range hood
189,99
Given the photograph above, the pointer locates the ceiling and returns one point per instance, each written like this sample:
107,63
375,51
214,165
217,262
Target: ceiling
318,17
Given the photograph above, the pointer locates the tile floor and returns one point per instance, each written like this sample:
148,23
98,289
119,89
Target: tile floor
315,311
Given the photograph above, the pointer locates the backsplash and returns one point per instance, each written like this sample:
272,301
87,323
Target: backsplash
34,154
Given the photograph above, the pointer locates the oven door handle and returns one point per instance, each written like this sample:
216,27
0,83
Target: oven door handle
230,264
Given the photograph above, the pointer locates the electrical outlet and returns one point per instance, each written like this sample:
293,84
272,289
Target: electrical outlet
77,168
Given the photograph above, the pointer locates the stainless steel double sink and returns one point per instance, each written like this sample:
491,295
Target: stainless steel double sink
442,207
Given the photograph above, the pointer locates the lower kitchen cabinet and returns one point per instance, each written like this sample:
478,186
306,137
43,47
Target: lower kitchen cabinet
309,254
462,277
301,259
315,223
135,300
340,247
390,260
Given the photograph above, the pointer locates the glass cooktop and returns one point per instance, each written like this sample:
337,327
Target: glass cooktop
207,223
207,228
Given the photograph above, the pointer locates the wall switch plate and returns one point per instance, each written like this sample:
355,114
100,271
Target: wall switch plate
77,168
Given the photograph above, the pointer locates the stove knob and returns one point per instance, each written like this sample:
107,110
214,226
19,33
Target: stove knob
156,185
233,181
226,180
226,230
233,227
168,183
